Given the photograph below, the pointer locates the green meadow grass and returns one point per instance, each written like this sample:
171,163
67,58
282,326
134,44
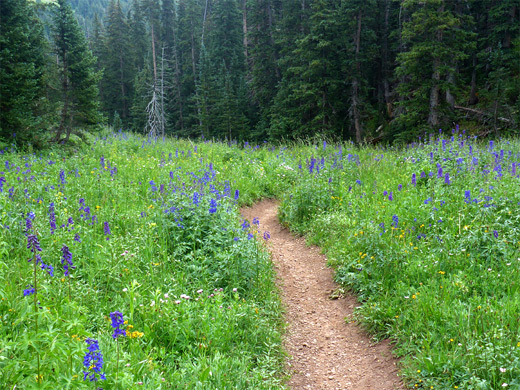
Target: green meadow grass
435,263
195,287
433,259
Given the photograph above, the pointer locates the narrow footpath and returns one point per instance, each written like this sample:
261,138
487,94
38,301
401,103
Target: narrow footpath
325,352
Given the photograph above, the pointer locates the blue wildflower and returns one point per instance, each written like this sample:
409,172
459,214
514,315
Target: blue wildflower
256,221
66,260
33,244
196,198
467,196
62,177
447,178
212,206
267,236
117,321
29,290
391,196
93,361
237,194
495,233
52,218
395,221
106,230
77,238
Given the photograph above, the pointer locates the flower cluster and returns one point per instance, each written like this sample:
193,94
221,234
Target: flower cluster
212,206
93,361
106,230
33,244
117,321
66,260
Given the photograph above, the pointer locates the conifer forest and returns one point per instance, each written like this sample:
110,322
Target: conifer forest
365,70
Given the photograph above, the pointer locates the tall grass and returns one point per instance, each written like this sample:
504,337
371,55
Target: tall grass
428,237
154,233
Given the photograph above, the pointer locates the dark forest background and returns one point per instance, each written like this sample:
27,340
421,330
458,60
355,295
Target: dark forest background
365,70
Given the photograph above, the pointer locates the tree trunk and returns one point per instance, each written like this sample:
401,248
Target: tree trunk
473,98
450,98
123,89
355,83
433,116
66,102
178,80
386,82
244,29
153,58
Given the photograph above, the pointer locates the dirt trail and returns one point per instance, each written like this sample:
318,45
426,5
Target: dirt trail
324,351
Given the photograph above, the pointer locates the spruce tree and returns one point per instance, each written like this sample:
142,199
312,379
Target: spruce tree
118,64
79,89
22,71
436,42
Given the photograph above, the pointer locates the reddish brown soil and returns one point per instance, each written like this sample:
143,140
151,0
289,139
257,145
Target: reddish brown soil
325,352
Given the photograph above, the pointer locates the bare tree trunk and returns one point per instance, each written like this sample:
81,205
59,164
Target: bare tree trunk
450,98
153,55
355,83
433,116
123,89
66,103
386,83
244,29
271,38
163,122
473,98
178,84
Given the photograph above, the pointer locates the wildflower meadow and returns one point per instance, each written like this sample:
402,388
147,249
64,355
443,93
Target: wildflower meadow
125,263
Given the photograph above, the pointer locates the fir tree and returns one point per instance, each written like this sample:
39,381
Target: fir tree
80,93
22,71
436,42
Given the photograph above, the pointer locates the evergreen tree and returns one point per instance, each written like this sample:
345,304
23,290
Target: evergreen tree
221,72
79,89
310,99
118,65
436,42
22,71
263,57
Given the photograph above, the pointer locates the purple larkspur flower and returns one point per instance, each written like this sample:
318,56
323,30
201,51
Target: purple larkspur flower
447,178
62,177
395,221
93,362
66,260
212,206
256,221
196,198
106,229
29,290
391,196
267,236
33,244
237,194
117,321
495,233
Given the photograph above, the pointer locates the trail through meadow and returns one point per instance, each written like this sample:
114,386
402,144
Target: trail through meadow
324,351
